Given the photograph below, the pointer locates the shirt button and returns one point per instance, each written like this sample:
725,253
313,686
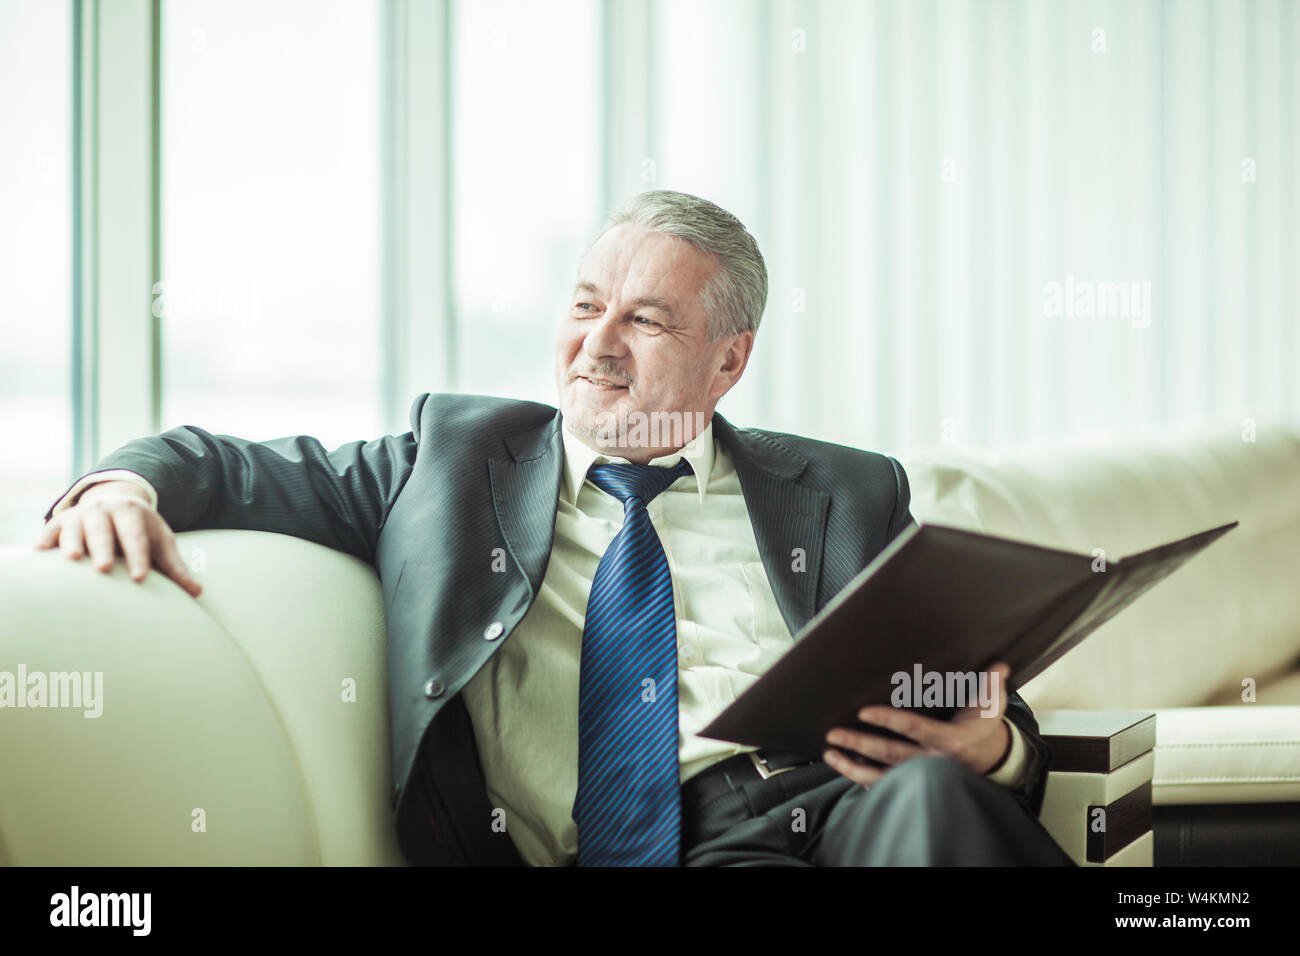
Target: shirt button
433,688
494,630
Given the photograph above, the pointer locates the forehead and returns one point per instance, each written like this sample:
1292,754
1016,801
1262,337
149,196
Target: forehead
632,260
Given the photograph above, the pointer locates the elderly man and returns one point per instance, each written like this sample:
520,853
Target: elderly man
573,593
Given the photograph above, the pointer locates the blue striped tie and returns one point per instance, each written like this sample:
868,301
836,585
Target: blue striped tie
628,808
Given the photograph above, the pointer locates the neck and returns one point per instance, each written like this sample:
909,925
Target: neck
644,437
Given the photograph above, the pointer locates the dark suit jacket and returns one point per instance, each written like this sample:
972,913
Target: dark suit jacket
430,507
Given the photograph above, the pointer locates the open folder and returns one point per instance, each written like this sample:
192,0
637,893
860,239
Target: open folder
940,600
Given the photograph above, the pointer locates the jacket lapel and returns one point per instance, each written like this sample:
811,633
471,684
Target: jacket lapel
789,519
525,493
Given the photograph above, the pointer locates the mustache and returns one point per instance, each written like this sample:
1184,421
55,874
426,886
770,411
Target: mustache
612,372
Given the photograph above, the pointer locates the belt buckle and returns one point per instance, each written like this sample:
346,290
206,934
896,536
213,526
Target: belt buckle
760,764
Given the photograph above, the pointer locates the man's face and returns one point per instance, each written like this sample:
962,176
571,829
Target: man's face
635,340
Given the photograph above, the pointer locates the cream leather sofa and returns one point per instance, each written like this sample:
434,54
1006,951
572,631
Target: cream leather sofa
250,726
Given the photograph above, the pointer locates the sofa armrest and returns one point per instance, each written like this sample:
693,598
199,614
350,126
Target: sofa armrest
247,727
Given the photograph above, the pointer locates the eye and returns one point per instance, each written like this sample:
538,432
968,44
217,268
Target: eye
642,318
584,305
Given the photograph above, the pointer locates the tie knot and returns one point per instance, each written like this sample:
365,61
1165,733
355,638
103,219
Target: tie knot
645,482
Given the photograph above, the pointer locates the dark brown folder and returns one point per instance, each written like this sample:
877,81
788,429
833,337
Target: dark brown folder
945,600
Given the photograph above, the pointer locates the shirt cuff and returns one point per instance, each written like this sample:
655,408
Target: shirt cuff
94,478
1011,773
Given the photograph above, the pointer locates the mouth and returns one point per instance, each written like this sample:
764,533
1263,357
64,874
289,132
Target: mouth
603,384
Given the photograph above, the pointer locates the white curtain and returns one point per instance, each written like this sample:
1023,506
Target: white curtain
989,223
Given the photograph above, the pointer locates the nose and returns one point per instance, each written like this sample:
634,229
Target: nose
604,338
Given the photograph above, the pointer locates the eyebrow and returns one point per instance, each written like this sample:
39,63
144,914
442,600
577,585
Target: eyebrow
648,301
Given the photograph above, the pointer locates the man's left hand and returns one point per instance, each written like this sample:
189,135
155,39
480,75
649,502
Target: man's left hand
978,740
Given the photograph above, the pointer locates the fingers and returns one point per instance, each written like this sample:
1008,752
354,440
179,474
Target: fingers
997,696
925,731
858,773
1004,669
49,535
167,556
70,538
133,537
101,525
1001,695
101,540
884,749
966,738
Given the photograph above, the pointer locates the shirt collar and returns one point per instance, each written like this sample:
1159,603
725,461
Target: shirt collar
579,457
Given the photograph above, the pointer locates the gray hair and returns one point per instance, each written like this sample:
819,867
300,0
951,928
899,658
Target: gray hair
734,298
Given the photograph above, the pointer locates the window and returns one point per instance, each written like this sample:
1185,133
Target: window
526,171
36,416
271,210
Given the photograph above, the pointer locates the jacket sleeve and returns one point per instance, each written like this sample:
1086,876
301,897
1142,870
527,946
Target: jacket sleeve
292,485
83,484
1039,758
901,517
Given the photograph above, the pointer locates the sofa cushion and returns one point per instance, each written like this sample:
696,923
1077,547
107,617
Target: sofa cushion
1234,754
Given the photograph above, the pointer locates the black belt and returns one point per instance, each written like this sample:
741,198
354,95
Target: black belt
730,774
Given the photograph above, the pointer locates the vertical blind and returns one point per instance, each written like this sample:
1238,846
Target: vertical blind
998,222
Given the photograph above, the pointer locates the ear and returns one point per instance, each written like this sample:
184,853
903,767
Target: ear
734,359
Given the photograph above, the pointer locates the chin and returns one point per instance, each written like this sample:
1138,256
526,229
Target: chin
598,425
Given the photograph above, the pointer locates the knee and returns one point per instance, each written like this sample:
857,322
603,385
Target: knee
929,772
924,786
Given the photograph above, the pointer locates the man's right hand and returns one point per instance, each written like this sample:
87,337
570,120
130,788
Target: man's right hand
113,515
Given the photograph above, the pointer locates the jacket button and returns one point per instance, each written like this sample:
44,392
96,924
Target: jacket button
433,688
494,630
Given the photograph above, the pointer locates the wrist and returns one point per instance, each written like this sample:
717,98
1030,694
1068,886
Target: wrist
1006,750
113,486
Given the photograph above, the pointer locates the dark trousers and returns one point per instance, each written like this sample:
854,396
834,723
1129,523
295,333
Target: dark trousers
927,811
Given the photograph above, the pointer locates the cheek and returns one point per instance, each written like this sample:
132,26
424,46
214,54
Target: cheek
567,343
674,373
660,384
